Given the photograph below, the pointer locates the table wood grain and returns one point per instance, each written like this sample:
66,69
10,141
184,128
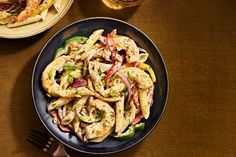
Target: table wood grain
198,42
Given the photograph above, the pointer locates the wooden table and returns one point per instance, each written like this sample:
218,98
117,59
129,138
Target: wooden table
198,42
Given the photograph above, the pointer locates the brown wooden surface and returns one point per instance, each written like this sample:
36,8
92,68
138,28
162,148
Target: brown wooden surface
197,39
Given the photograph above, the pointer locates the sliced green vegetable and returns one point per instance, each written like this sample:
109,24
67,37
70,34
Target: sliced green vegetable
76,39
78,106
140,126
48,95
87,119
95,117
126,135
103,83
84,71
64,50
68,67
60,51
70,79
75,74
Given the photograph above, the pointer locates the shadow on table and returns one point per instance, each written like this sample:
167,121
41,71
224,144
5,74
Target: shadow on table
22,113
91,8
18,45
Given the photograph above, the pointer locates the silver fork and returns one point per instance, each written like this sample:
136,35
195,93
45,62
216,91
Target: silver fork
47,144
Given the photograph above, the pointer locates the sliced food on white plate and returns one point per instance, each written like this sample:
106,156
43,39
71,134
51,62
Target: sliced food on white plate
15,13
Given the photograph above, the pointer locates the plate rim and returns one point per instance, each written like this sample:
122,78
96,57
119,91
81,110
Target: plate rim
41,29
167,84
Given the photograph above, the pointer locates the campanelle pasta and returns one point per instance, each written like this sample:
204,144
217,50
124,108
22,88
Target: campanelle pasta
100,86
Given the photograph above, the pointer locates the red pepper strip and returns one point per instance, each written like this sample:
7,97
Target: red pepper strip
54,114
136,104
85,140
110,46
113,32
113,54
62,127
103,41
137,119
109,72
134,64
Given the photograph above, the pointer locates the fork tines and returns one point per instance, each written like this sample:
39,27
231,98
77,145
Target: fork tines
40,140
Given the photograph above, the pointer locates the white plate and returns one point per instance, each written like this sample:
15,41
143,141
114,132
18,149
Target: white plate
32,29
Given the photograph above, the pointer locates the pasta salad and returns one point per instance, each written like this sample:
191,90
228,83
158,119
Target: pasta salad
99,86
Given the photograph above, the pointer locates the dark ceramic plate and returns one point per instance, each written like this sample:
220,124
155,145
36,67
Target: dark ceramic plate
85,28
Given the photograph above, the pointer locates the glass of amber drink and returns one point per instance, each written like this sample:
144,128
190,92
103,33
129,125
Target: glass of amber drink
120,4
